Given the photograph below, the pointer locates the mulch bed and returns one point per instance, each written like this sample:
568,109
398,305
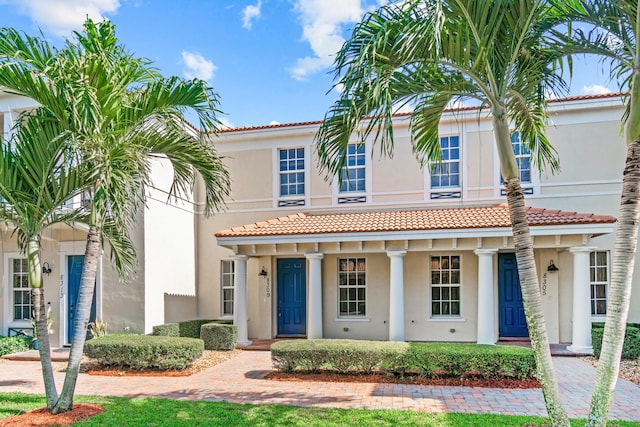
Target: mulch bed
409,379
41,417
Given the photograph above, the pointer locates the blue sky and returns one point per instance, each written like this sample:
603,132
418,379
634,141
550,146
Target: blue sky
268,59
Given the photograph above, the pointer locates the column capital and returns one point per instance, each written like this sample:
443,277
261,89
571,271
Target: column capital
314,255
580,249
396,254
485,252
239,257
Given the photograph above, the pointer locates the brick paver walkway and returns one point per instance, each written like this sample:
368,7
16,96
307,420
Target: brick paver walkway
240,380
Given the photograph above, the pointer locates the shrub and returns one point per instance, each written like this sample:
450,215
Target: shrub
630,348
10,345
427,359
219,336
140,351
191,328
336,354
166,330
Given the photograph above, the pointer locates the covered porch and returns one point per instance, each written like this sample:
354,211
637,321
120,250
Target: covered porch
423,275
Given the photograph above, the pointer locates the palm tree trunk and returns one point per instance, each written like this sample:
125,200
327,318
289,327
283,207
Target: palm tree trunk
618,298
40,314
85,298
529,285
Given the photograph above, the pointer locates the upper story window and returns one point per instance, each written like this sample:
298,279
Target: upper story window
523,157
291,172
446,173
352,287
227,277
21,292
445,286
599,281
353,175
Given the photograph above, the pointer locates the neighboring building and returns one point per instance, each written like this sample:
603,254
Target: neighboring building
135,306
396,252
393,252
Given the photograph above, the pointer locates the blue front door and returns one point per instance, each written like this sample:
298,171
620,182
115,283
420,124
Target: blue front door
512,319
292,297
74,272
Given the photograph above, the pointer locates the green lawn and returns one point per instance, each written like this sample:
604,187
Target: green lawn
121,412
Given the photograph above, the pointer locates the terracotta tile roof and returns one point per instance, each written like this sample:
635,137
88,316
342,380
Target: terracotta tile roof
469,108
385,221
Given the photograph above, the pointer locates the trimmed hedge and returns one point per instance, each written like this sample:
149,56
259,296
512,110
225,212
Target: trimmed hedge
144,351
191,328
16,344
218,336
166,330
630,348
426,359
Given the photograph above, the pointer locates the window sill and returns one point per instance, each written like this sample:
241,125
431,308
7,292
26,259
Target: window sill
352,319
447,319
599,318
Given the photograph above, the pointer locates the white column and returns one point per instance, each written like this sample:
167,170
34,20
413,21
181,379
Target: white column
314,328
396,296
240,299
486,297
581,327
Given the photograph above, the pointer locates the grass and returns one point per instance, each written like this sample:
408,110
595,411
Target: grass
164,412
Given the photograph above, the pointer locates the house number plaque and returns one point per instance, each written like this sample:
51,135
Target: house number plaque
544,284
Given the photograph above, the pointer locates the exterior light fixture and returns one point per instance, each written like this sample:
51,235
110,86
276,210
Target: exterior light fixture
46,268
263,272
552,267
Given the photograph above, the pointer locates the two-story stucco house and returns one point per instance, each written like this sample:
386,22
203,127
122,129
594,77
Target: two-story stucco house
396,252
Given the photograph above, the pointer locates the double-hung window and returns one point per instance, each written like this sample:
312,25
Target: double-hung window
227,277
445,286
21,292
523,157
599,281
446,173
291,172
352,287
353,174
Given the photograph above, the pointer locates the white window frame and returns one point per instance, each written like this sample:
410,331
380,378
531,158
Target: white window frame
347,170
594,282
445,164
8,306
359,271
450,285
294,171
230,285
519,147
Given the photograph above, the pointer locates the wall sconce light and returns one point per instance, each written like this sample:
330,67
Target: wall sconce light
552,267
263,272
46,268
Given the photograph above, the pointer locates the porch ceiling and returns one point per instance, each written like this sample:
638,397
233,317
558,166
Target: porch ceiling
430,229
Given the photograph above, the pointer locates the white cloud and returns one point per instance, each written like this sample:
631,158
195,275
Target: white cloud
274,122
322,24
250,13
595,90
61,17
225,123
197,67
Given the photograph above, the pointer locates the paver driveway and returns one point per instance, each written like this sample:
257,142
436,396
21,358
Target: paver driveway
240,380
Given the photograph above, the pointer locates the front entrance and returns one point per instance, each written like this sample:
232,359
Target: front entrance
74,271
512,320
292,296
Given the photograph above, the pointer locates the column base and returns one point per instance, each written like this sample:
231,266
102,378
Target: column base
580,349
244,343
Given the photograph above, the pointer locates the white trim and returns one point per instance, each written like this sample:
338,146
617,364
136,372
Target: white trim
415,235
352,319
275,156
368,181
447,319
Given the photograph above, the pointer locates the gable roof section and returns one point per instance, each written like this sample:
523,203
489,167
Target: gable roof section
496,216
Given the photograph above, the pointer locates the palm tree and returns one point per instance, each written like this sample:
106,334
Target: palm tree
35,180
119,114
427,53
615,40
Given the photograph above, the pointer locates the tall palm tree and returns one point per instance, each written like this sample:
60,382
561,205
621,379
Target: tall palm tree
614,38
35,180
427,53
119,114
